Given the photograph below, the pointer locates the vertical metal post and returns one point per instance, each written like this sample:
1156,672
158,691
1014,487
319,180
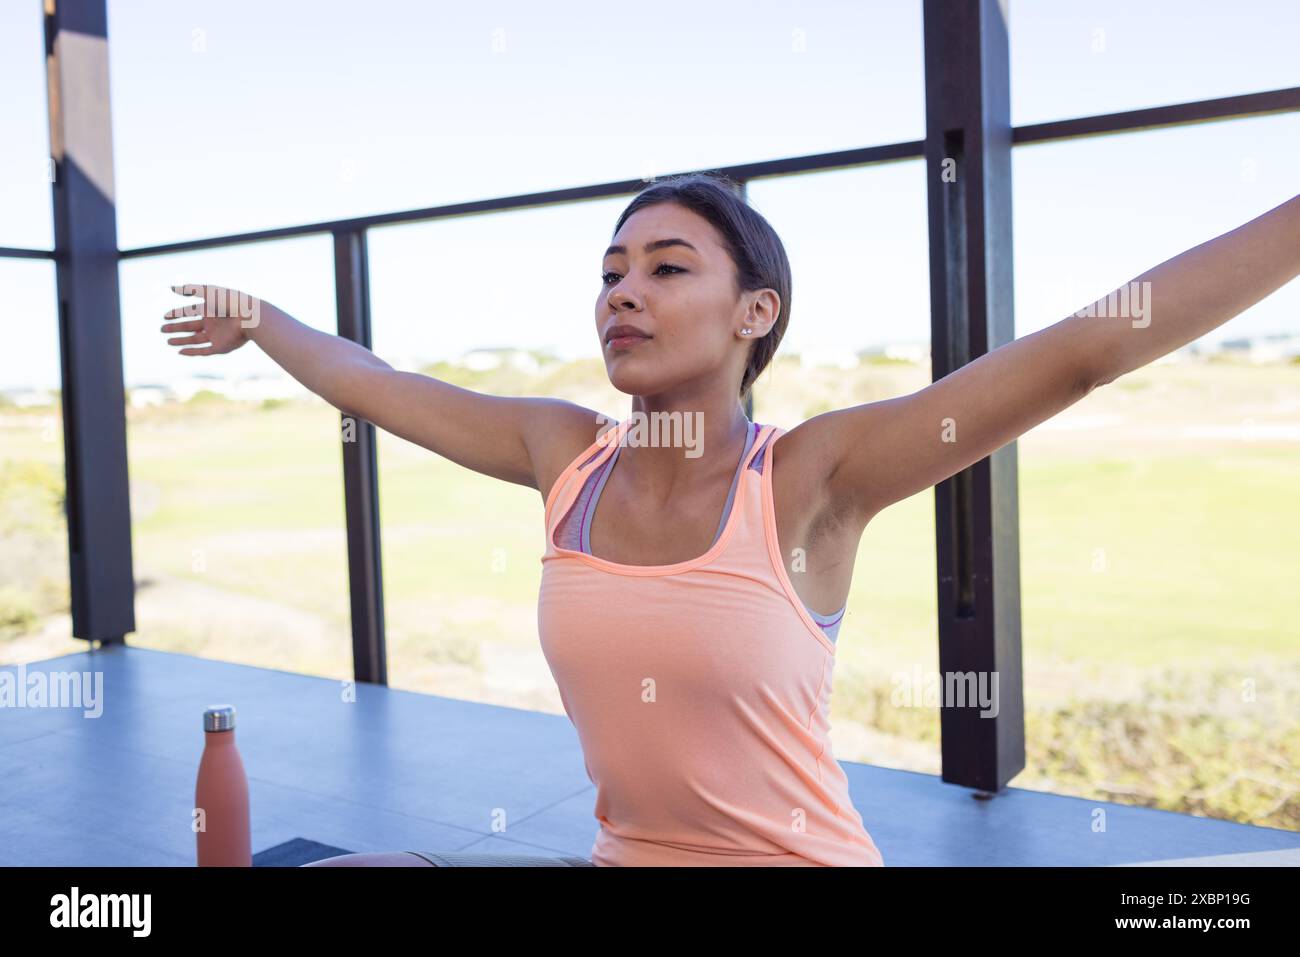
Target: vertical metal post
101,573
360,472
968,170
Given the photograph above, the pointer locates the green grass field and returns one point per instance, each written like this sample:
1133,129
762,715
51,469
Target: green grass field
1158,572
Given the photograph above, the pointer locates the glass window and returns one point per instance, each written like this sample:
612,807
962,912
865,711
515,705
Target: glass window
1157,588
1088,57
236,473
35,621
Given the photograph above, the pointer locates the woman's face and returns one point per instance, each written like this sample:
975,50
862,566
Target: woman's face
668,274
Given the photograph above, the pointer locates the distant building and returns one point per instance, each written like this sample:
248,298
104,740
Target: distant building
483,359
1276,347
260,388
30,398
837,357
902,351
909,351
148,395
254,388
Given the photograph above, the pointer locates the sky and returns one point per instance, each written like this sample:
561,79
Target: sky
231,115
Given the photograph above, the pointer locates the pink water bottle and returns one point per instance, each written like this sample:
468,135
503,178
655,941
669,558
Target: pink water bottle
221,795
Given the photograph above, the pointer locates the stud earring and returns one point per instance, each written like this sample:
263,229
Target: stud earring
745,331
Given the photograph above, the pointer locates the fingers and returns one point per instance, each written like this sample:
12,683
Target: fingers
216,302
191,326
189,340
193,309
194,326
189,309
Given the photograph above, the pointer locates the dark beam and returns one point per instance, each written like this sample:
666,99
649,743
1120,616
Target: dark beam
1160,117
90,334
968,170
11,252
360,473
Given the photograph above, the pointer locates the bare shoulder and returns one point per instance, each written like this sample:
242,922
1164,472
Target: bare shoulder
556,433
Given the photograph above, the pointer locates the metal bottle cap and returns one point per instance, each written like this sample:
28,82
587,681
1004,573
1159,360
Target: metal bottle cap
219,717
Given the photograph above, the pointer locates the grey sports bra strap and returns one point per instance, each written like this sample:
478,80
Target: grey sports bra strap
609,465
735,480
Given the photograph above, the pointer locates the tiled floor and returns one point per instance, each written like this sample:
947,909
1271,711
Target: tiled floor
396,770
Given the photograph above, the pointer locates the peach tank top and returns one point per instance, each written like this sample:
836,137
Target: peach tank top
700,692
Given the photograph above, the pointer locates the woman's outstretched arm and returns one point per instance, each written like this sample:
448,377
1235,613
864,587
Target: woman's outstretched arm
524,440
1193,293
873,455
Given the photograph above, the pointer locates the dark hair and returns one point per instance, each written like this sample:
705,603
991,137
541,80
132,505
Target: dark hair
753,244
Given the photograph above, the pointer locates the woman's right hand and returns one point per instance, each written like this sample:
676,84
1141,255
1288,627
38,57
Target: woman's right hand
218,323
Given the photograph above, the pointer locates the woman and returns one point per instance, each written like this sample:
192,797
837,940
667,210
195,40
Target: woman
690,620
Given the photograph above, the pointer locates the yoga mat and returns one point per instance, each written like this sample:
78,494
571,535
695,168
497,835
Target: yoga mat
295,853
